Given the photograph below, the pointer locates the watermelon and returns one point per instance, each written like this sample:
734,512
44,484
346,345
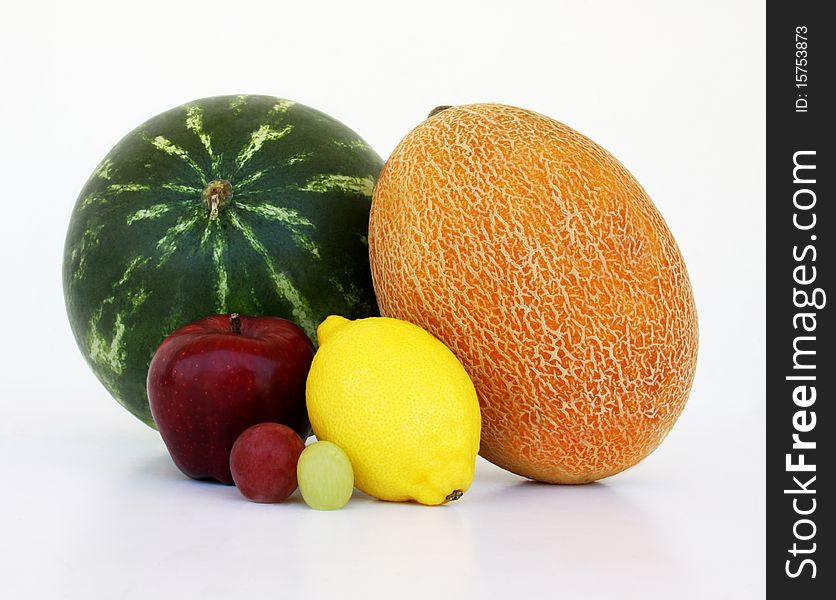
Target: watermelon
248,204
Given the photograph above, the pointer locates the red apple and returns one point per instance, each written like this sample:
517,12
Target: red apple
263,462
213,378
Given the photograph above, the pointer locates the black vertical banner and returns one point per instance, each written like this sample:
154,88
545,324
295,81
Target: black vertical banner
800,334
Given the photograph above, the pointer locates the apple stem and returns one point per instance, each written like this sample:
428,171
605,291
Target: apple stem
235,322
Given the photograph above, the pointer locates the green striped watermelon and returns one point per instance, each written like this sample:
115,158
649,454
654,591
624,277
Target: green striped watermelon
248,204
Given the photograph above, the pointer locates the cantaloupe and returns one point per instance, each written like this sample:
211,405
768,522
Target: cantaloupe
542,263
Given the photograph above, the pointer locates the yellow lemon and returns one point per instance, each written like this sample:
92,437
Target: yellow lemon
401,406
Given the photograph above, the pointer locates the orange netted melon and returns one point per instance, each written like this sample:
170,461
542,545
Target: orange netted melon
542,263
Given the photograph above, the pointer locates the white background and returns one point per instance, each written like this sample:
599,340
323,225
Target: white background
91,505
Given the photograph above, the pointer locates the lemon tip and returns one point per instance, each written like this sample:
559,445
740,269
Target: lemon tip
329,326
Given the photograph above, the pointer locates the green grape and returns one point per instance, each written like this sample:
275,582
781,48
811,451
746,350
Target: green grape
325,476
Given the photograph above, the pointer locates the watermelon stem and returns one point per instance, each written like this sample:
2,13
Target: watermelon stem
235,322
216,194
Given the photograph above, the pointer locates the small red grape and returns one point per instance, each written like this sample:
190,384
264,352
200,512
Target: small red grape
263,462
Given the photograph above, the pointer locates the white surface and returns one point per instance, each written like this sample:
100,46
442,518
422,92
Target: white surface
92,506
